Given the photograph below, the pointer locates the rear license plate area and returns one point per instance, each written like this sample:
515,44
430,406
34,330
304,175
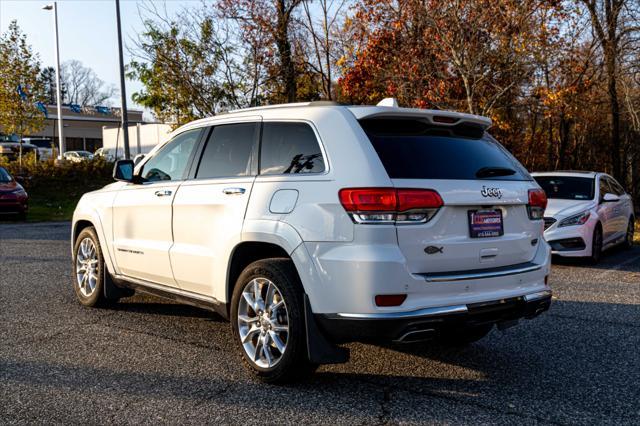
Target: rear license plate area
485,223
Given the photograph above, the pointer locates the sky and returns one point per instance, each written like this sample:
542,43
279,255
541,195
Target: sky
87,32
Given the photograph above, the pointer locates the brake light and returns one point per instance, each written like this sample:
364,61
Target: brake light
390,205
444,119
537,204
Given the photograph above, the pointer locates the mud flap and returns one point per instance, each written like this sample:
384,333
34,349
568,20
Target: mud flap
319,349
111,290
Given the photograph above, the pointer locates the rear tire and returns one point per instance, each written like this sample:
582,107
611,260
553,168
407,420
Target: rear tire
89,269
596,245
464,336
628,240
267,321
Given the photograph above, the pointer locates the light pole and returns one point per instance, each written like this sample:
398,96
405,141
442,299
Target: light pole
54,7
123,94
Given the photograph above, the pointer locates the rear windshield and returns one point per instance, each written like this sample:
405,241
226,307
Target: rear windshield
567,187
416,149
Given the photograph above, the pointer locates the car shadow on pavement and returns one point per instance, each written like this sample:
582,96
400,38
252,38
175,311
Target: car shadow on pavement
154,307
616,257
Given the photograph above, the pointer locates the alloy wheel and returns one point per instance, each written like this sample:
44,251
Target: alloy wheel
87,267
263,322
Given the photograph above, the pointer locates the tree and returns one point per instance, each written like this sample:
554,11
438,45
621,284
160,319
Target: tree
469,55
82,86
184,65
269,21
321,43
613,23
19,85
48,82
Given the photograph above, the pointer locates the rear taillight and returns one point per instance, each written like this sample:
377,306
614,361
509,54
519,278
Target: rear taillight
537,204
390,205
390,299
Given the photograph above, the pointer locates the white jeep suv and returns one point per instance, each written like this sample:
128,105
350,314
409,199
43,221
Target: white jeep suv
310,225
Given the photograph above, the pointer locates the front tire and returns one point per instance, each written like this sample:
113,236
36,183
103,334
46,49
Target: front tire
267,321
628,240
89,269
596,245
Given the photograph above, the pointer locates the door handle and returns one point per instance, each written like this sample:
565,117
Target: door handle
234,191
164,193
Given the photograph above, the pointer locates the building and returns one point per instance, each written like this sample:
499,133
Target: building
142,138
83,125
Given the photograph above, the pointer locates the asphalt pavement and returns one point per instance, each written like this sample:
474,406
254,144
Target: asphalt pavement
151,361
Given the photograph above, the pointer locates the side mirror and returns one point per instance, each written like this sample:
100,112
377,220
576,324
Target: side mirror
137,159
610,198
123,170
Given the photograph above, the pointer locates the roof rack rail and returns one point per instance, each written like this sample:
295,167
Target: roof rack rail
326,103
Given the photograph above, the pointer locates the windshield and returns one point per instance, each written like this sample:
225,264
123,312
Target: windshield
4,176
567,187
84,154
416,149
41,143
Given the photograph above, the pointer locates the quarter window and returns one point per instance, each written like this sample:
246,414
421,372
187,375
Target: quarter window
170,162
290,148
605,188
228,151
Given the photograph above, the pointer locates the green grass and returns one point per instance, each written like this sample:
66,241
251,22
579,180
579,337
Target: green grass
57,201
44,206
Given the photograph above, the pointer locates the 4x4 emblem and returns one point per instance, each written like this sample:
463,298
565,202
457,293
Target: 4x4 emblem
433,250
491,192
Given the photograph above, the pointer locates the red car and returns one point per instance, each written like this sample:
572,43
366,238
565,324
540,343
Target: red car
13,198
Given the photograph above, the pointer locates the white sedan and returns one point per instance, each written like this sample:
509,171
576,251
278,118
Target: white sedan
587,212
78,156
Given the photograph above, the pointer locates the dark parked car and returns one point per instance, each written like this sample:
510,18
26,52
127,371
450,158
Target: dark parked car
11,150
13,198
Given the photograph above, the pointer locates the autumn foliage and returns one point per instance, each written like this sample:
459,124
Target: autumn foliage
559,79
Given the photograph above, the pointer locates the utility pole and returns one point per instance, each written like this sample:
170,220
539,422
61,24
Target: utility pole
54,7
123,94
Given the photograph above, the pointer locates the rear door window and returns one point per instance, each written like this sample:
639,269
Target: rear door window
290,148
417,149
228,151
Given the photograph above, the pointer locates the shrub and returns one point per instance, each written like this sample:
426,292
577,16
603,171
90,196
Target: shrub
54,189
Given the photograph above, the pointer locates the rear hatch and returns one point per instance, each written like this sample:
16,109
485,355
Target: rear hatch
485,220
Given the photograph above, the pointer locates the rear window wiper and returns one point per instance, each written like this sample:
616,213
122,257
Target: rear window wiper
485,172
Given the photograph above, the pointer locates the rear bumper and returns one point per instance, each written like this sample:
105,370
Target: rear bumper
347,277
427,323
